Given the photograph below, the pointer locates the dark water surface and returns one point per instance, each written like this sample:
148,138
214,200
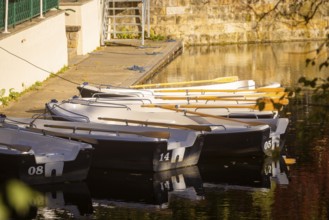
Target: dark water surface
229,188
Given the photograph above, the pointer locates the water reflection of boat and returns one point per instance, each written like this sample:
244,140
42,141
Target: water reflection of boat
244,174
72,198
144,190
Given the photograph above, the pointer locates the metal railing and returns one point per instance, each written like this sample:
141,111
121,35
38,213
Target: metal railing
125,17
13,12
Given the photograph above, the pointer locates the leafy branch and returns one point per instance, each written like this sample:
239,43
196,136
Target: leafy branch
321,51
317,90
298,10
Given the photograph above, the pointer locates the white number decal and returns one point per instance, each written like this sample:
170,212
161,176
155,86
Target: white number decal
35,170
165,185
165,157
268,145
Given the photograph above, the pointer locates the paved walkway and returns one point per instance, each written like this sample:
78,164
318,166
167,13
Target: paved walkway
108,65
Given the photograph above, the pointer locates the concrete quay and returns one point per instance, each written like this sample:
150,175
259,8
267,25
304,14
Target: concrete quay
110,65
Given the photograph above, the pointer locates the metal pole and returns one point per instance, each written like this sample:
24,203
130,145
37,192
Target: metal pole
41,9
143,18
103,22
148,19
114,20
6,18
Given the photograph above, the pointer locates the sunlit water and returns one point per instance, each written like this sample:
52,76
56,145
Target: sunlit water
224,189
264,63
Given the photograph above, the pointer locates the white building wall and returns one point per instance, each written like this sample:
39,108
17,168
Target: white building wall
87,16
33,53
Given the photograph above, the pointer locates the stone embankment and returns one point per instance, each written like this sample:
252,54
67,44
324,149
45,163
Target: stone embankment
200,22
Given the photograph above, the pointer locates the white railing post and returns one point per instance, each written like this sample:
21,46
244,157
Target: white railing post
148,19
41,9
143,21
102,26
6,17
114,20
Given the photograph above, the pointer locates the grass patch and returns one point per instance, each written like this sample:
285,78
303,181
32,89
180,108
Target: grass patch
14,95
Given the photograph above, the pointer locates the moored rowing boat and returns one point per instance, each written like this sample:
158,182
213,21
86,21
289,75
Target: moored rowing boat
242,110
224,79
126,147
42,159
88,90
241,138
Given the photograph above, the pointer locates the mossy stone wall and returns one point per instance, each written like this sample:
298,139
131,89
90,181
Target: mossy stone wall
200,22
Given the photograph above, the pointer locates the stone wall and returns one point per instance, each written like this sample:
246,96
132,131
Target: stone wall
199,22
72,35
87,15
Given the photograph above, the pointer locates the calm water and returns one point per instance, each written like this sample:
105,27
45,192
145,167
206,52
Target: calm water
264,63
225,189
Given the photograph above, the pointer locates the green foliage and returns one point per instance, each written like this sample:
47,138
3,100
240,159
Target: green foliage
309,113
4,99
127,34
248,17
276,153
321,51
4,213
19,198
156,37
317,90
2,92
13,95
260,104
64,69
34,87
266,103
